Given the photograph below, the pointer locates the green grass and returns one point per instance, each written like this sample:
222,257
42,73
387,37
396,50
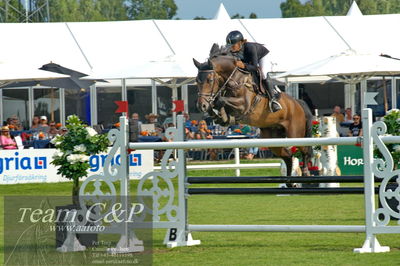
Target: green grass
228,248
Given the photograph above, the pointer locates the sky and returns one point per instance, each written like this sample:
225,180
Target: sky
189,9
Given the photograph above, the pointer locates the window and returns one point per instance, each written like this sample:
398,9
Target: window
139,100
77,102
106,107
47,102
16,102
164,102
383,99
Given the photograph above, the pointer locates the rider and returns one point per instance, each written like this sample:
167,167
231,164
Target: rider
251,56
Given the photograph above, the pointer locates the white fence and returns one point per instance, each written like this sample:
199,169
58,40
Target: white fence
173,214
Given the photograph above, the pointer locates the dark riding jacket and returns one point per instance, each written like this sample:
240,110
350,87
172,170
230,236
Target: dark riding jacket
250,54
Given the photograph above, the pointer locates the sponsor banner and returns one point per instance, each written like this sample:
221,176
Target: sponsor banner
33,165
350,160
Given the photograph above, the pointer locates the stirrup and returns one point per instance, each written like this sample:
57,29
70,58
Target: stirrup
274,106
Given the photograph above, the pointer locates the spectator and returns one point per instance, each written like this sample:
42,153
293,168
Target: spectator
188,122
152,119
337,114
35,123
348,116
251,152
7,142
52,131
245,129
63,131
14,123
204,133
355,128
43,126
136,116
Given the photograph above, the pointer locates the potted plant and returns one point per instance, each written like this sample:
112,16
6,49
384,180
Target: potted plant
73,150
72,158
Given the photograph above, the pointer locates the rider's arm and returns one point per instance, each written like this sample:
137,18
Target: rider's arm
251,53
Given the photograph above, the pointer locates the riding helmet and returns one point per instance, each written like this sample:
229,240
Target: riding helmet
234,37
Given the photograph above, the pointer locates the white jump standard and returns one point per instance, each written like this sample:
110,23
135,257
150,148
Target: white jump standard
171,213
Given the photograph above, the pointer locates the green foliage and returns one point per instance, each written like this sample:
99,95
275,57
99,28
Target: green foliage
237,15
294,8
87,10
75,147
253,15
392,121
151,9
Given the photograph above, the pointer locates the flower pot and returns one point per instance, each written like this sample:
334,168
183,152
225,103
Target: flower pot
87,240
312,173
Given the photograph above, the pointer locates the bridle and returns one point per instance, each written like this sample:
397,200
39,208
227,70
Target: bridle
210,97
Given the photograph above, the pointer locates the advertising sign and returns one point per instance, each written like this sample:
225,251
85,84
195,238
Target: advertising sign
33,165
350,160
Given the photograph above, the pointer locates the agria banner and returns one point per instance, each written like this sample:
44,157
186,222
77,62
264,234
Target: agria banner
33,165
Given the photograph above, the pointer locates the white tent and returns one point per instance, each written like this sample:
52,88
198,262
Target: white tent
354,10
222,14
91,46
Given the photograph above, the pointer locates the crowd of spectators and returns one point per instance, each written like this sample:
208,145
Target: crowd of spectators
351,124
14,135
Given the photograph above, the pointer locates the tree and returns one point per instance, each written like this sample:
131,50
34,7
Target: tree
151,9
87,10
294,8
237,15
253,15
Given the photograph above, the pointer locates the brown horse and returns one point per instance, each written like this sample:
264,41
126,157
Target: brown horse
229,95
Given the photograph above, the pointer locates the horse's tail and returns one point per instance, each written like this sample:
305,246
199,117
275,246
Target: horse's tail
309,118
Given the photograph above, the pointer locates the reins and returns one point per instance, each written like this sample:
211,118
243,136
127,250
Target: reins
210,97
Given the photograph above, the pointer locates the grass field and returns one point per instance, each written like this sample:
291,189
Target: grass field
227,248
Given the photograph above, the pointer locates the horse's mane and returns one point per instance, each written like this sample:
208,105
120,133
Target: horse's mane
218,51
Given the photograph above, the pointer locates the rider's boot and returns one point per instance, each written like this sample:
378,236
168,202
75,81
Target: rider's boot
273,95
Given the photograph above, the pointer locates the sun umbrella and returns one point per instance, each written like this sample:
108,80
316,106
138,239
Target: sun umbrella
73,82
21,72
349,67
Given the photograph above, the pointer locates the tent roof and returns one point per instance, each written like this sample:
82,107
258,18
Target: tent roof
222,14
117,49
354,10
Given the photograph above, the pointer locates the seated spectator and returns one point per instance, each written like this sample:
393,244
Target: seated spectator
204,133
35,123
348,116
251,152
245,129
43,126
14,123
337,114
63,131
135,116
355,128
6,141
53,131
152,119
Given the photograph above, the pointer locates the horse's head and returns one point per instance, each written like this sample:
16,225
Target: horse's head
211,77
207,83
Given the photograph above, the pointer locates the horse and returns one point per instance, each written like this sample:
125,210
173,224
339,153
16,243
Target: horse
229,95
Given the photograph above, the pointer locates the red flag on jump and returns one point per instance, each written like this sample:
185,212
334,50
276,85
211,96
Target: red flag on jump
179,106
122,106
